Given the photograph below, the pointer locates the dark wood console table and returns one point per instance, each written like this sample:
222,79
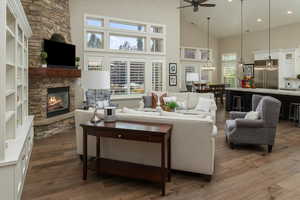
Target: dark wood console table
122,130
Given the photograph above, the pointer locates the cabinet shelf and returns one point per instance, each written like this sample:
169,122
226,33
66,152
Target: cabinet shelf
9,115
10,92
10,32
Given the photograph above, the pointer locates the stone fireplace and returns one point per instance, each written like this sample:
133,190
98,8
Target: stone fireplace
51,90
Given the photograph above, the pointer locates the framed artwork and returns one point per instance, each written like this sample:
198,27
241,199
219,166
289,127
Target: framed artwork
173,80
173,68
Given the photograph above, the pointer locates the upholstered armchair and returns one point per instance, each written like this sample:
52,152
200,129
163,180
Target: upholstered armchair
259,132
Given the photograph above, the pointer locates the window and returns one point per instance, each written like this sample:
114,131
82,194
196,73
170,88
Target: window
95,63
189,69
229,63
94,22
156,29
157,76
94,40
137,78
156,45
205,54
127,26
123,35
190,53
118,78
127,77
133,53
127,43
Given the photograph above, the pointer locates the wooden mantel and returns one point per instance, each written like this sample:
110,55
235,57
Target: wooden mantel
54,73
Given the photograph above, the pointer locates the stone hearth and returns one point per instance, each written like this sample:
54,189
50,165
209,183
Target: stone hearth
47,17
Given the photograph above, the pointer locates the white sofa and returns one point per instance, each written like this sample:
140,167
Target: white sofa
193,142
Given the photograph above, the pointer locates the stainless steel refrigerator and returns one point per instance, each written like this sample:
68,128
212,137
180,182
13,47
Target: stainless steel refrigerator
265,77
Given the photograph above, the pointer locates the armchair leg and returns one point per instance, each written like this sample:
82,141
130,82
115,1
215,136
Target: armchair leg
270,147
231,145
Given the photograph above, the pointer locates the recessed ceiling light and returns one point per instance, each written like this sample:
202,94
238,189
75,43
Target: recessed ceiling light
259,20
229,0
289,12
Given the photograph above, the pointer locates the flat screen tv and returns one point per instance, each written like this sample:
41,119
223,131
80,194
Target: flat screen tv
60,54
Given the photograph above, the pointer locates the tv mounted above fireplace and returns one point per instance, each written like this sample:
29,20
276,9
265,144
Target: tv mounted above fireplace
60,55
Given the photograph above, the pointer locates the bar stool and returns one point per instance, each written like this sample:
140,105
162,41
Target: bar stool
237,103
294,113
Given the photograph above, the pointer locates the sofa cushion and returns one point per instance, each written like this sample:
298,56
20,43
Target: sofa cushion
204,104
230,125
136,112
147,101
252,115
155,98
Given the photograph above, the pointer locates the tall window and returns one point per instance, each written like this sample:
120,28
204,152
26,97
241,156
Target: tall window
157,76
127,77
229,63
189,69
137,77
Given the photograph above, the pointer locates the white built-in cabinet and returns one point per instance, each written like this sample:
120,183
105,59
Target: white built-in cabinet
16,132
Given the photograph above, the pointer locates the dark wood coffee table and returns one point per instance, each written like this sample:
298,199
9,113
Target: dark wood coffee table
136,131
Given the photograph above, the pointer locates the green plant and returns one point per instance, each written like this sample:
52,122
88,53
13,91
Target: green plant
77,59
172,105
44,57
298,76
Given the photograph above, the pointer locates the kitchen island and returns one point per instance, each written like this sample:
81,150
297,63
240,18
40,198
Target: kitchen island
285,96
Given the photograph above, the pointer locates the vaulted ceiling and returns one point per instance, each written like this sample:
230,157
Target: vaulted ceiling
226,18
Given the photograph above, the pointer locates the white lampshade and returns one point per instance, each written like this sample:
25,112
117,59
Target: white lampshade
192,77
96,80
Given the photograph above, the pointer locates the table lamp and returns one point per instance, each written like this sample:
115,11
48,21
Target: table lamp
96,80
191,78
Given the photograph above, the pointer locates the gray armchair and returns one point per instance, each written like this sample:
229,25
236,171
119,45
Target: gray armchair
262,131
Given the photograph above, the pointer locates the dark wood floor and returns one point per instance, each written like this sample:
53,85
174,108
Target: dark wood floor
241,174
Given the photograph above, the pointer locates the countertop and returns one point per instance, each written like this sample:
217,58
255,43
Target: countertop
266,91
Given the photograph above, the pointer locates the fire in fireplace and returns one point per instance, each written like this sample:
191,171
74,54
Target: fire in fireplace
58,101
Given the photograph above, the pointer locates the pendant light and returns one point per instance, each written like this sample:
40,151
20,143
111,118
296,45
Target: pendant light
242,34
269,62
208,64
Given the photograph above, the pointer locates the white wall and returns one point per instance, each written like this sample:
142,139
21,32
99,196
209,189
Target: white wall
281,38
152,11
194,36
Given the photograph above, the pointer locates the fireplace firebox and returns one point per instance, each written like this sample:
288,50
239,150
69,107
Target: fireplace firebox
58,101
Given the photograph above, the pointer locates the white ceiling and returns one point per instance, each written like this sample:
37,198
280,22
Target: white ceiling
226,18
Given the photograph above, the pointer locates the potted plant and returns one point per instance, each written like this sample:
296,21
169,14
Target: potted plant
77,62
44,57
171,106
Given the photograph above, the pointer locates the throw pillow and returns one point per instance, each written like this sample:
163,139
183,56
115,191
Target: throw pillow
252,115
147,101
204,104
155,98
259,108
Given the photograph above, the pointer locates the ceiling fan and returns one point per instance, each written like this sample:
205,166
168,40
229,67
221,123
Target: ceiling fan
196,4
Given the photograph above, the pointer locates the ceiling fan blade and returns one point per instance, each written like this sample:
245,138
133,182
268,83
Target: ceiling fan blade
209,5
184,7
188,1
